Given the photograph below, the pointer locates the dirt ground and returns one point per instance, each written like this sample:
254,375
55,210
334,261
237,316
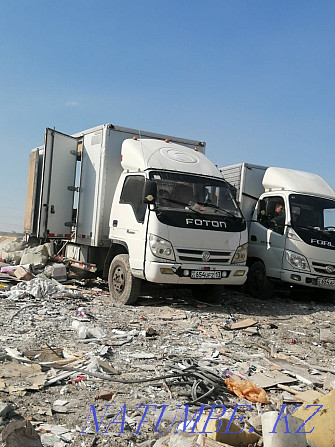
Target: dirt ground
160,336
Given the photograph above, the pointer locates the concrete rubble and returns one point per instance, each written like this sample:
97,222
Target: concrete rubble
168,371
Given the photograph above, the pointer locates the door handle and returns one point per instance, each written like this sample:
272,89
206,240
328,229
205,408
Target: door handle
130,231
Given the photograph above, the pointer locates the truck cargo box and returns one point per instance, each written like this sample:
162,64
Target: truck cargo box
72,180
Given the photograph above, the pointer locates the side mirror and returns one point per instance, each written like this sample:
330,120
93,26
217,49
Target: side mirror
150,192
261,212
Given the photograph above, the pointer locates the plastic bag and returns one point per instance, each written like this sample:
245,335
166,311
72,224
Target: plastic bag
247,389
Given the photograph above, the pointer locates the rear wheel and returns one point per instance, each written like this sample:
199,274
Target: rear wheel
211,293
124,288
258,285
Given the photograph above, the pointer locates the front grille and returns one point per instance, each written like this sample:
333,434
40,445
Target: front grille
217,256
320,268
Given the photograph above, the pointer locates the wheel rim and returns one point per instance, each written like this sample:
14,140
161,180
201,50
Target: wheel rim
118,279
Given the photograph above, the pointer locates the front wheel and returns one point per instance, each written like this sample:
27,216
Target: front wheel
258,285
124,288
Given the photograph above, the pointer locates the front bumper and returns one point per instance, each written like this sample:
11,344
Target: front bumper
304,279
154,272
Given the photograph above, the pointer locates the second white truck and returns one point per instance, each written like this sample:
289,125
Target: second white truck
291,217
139,206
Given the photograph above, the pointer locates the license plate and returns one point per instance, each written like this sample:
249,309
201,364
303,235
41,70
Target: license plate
202,274
326,282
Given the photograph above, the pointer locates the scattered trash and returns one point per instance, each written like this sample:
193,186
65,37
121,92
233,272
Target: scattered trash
246,389
323,434
236,436
12,374
85,330
82,315
23,274
271,422
107,395
65,349
37,257
19,434
243,324
327,336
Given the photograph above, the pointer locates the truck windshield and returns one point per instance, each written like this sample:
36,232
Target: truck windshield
313,214
192,193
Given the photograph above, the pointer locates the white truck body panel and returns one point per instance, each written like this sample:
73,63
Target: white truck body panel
282,179
143,154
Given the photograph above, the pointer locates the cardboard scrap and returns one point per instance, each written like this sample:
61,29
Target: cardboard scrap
329,382
281,437
243,324
270,378
241,438
106,395
23,274
309,395
18,378
297,370
323,434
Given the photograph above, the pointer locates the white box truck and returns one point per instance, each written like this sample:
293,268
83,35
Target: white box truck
138,206
291,222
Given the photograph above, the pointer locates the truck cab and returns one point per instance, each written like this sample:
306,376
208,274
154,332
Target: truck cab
178,221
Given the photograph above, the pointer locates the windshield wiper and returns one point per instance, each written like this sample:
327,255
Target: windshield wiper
187,205
211,205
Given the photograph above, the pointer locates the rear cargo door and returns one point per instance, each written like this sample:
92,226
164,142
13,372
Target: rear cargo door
58,181
29,216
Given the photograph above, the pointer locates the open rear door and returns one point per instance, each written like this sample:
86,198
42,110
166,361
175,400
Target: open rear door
58,181
31,194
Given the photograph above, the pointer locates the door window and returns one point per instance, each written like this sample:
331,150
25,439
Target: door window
132,193
271,213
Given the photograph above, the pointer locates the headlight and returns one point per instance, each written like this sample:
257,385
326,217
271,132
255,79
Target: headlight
240,256
161,247
297,261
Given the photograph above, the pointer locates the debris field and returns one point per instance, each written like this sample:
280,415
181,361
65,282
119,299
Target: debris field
76,370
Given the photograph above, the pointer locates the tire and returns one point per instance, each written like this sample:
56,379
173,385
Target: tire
258,285
124,288
207,293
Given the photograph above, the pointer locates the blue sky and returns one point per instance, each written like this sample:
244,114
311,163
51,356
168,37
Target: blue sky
253,78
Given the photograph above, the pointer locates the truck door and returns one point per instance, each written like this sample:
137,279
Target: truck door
268,236
130,225
57,185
